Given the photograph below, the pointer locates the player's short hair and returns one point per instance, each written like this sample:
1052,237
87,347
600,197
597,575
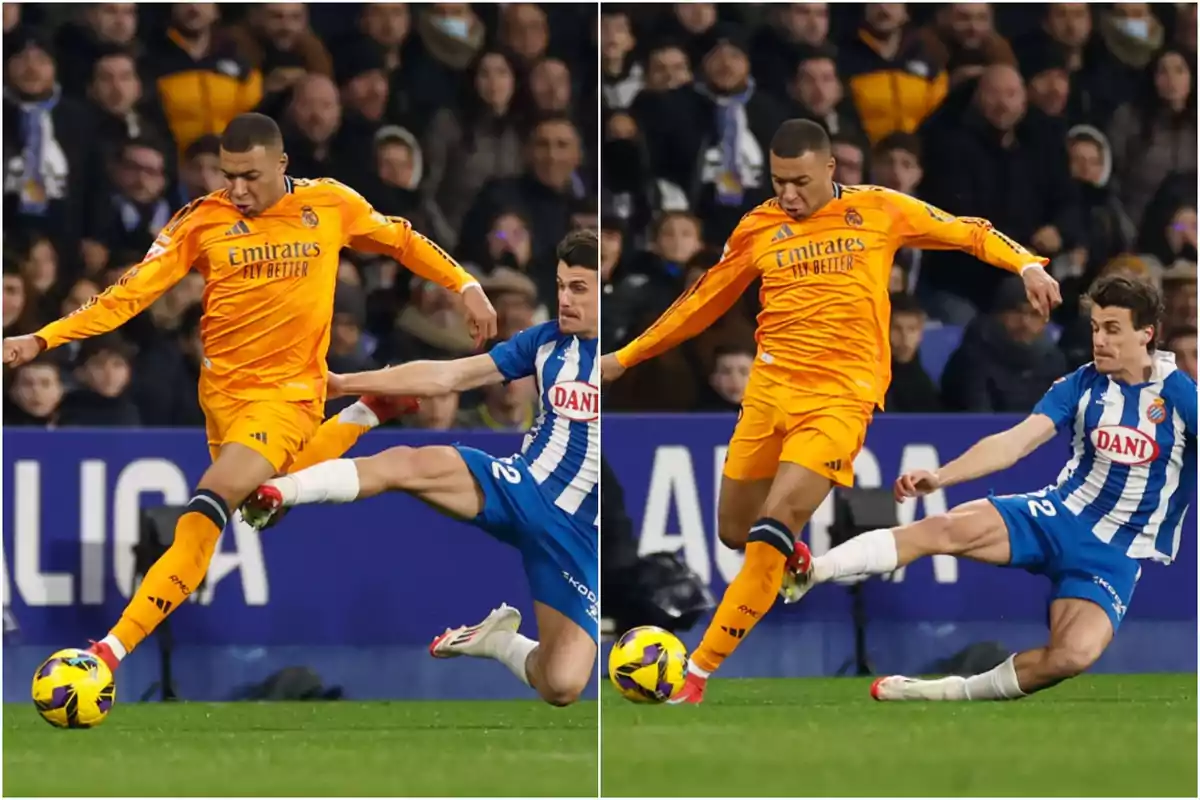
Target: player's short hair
898,140
248,131
580,248
904,303
1141,298
799,136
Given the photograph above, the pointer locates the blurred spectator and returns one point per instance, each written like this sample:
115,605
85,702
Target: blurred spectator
896,163
728,379
962,40
1109,229
467,148
553,156
850,157
138,208
35,395
49,167
39,267
1044,68
792,31
912,390
103,373
276,40
200,172
318,143
1182,342
450,36
550,87
1179,296
101,28
667,67
895,81
399,167
18,316
1156,133
817,93
120,108
622,75
1018,180
388,25
510,406
1006,361
1168,229
524,32
201,79
435,413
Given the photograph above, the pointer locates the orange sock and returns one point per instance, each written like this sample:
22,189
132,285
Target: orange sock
335,436
746,600
177,573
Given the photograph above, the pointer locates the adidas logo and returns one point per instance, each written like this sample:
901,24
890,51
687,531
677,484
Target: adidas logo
736,633
163,605
240,229
784,232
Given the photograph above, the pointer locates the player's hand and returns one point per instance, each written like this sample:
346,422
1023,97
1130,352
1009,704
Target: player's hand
481,317
610,368
20,350
915,484
335,386
1042,290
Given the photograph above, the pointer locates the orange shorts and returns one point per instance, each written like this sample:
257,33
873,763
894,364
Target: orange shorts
781,423
276,429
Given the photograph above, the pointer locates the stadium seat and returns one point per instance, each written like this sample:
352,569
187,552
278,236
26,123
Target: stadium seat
936,348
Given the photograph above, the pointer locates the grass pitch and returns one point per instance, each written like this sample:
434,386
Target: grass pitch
335,749
1095,736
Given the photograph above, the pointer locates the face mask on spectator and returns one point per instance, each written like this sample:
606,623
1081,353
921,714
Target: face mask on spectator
1136,28
454,27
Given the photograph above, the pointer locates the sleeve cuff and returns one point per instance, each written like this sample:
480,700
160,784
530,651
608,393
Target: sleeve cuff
468,285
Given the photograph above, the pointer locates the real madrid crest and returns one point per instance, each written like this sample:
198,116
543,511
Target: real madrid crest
853,218
309,217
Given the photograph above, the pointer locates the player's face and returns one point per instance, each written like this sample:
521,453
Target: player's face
255,178
802,184
578,300
1117,345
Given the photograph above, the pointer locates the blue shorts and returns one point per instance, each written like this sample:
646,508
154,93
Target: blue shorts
1047,539
560,555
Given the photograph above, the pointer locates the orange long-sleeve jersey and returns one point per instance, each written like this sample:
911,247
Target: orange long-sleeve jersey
269,284
825,314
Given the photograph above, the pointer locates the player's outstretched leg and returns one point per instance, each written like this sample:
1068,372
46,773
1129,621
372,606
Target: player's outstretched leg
235,472
1080,630
558,668
438,475
973,530
333,439
795,494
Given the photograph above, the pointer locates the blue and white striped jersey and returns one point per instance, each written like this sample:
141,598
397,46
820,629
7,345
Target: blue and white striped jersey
563,447
1133,455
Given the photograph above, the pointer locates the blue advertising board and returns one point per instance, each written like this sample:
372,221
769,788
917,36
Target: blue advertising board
670,465
357,591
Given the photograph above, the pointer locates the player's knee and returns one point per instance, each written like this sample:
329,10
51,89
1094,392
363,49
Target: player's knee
1067,661
939,534
561,688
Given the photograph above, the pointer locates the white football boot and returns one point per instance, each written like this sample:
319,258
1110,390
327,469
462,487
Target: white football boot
474,640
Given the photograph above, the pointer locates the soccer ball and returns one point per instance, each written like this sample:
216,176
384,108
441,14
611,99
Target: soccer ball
648,665
73,689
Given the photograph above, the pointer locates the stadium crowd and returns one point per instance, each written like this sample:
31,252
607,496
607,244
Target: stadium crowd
1070,126
476,122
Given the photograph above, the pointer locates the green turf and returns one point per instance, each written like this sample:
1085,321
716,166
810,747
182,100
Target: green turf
1132,736
307,749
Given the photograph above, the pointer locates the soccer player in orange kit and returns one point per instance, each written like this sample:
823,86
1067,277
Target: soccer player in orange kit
824,253
268,250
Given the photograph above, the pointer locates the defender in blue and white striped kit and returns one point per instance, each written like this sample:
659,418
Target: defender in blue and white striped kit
544,500
1121,498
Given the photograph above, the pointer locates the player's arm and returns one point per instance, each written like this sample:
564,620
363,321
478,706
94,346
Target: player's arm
1001,450
696,309
167,262
420,378
371,232
920,225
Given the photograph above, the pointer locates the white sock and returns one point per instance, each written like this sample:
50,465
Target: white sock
333,481
699,673
999,683
870,553
359,414
512,649
115,645
995,684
